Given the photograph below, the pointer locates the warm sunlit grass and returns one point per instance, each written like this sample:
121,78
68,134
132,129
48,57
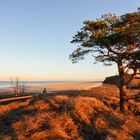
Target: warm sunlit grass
70,115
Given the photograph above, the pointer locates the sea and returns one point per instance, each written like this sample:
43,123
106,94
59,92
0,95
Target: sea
9,83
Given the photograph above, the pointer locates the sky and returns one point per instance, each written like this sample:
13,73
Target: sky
35,38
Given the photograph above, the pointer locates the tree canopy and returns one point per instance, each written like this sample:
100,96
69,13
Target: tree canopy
108,37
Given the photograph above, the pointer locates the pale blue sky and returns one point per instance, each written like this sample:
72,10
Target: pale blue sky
35,37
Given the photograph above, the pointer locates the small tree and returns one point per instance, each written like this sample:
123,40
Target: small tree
19,87
112,39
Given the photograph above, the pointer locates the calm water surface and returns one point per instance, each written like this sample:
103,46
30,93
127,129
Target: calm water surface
8,83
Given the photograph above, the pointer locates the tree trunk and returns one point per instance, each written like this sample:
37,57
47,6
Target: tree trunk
123,98
122,87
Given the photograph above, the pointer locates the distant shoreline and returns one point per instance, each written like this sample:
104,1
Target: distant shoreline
30,83
71,85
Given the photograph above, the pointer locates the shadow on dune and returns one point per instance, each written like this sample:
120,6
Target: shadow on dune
135,135
87,131
8,119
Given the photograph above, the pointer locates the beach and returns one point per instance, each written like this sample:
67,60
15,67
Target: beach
66,86
51,87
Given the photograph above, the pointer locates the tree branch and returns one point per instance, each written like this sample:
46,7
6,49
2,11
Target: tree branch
132,77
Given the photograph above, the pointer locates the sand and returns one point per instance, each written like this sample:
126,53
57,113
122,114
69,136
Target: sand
67,86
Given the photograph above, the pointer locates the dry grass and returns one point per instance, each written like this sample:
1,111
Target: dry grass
70,115
135,83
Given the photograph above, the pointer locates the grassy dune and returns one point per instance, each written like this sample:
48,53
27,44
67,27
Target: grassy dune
71,115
